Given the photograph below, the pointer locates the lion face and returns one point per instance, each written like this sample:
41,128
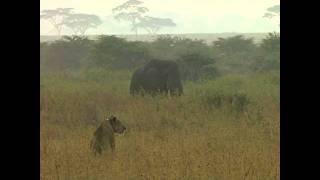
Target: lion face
117,126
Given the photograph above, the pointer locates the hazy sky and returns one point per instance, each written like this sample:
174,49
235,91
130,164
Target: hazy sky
191,16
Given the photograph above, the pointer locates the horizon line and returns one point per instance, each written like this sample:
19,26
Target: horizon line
166,33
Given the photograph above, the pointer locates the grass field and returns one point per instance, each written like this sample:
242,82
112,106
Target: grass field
226,128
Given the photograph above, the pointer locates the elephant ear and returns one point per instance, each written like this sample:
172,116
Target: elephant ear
151,71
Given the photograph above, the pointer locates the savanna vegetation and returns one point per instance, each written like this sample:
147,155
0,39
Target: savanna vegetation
225,126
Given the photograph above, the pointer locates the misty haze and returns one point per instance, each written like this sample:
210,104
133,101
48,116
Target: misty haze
159,89
205,16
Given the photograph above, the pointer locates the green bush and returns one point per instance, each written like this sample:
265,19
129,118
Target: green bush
234,45
172,47
197,60
117,53
65,54
196,66
234,54
226,92
269,54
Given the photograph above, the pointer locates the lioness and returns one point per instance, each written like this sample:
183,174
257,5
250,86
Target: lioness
103,137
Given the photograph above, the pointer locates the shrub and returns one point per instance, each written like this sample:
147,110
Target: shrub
234,45
67,53
268,57
234,54
196,66
114,52
196,59
171,48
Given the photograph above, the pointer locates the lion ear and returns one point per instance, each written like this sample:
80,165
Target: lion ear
112,118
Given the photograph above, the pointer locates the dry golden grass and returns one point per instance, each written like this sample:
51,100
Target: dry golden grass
167,138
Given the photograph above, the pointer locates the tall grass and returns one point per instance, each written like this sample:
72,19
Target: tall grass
226,128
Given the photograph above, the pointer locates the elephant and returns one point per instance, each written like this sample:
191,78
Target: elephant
157,77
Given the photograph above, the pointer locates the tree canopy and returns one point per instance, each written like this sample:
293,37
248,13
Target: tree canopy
130,11
153,24
133,12
56,17
273,12
80,23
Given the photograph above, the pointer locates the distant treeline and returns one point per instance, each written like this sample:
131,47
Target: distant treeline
207,37
196,58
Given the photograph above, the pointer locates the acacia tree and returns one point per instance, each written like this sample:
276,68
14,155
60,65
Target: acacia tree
80,23
130,11
152,24
273,12
56,17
